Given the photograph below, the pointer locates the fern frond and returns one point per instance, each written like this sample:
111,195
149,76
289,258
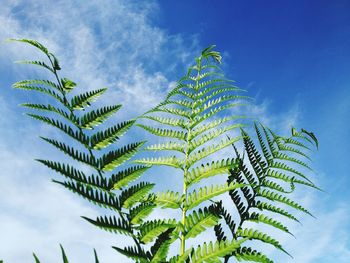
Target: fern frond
168,146
36,63
197,222
168,199
260,218
125,177
104,138
265,206
78,136
195,198
42,90
70,172
164,132
135,253
50,108
140,212
79,102
134,194
172,161
248,254
111,224
100,198
30,82
75,154
257,235
152,229
96,117
273,196
112,159
212,252
167,121
210,169
161,247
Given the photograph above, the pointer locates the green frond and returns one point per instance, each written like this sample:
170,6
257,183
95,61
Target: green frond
96,258
183,258
111,224
42,90
34,43
134,194
269,207
288,179
173,111
70,172
208,83
260,218
79,102
248,254
177,91
171,161
36,63
135,253
165,132
213,124
197,222
78,136
275,186
266,152
104,138
67,84
168,199
96,117
194,144
183,103
152,229
167,121
212,252
295,143
35,258
140,212
112,159
257,235
50,108
210,169
73,153
284,167
212,92
168,146
288,148
214,111
126,176
100,198
161,247
204,152
205,193
30,82
273,196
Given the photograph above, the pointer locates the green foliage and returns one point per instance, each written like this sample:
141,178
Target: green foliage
266,192
192,128
90,145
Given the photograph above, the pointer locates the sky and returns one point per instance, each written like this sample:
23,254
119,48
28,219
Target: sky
291,56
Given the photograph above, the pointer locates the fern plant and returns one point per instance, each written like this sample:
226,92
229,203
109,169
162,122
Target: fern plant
108,185
188,112
269,173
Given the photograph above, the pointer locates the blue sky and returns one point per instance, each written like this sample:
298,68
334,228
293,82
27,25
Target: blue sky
292,57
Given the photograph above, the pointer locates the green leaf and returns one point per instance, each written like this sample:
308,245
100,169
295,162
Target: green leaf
197,222
212,252
64,256
210,169
96,258
104,138
34,43
96,117
79,102
168,199
248,254
140,212
168,146
125,177
30,82
135,193
195,198
275,209
257,235
260,218
75,154
68,85
35,257
134,253
161,247
152,229
111,224
165,132
41,90
112,159
172,161
36,63
167,121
